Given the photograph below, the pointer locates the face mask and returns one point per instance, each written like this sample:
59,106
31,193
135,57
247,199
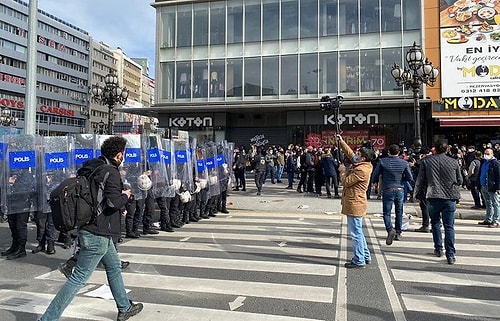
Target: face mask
355,159
487,157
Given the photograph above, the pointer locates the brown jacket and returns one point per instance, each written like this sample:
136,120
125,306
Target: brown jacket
355,183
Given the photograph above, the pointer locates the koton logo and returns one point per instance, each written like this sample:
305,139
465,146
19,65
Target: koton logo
190,121
351,119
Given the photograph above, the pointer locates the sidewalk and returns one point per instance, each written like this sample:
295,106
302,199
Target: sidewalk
276,198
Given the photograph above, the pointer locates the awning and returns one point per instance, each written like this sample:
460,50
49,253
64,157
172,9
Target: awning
469,121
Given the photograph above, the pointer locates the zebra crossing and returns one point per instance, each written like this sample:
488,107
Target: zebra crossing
285,267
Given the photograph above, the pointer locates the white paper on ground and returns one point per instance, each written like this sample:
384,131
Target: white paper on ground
103,292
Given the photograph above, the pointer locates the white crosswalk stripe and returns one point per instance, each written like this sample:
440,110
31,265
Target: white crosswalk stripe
274,250
477,248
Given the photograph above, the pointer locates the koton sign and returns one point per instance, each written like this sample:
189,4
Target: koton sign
19,104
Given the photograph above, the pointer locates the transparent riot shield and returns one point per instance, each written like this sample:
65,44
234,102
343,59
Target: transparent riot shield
156,165
133,165
169,161
201,170
222,166
183,164
210,150
3,194
55,167
21,175
82,150
229,156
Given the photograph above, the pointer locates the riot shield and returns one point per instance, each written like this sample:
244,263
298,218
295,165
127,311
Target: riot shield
210,156
82,150
3,194
222,166
183,164
201,170
229,156
169,161
21,178
55,167
156,165
133,165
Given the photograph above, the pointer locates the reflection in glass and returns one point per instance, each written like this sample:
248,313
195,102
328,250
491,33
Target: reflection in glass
391,15
235,23
309,73
252,76
328,17
270,21
252,22
167,80
349,72
217,23
412,17
184,26
308,18
200,32
389,57
270,76
370,71
234,77
289,19
168,28
289,75
328,67
369,16
348,17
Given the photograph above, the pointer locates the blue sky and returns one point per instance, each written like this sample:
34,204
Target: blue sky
128,24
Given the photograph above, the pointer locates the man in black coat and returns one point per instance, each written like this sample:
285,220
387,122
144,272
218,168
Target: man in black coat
96,238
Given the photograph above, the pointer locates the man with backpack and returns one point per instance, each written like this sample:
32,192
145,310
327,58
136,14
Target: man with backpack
96,237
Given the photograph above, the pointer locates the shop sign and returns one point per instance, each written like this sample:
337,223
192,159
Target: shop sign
190,122
353,138
351,119
19,104
468,104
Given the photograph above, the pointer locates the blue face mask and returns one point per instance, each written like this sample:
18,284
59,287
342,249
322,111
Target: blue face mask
355,159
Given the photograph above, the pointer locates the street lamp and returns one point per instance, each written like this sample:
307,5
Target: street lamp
109,95
418,72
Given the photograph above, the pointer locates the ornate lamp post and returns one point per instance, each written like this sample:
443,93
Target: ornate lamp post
109,95
418,72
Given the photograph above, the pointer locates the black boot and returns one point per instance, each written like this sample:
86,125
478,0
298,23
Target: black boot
50,248
18,253
40,247
131,235
10,250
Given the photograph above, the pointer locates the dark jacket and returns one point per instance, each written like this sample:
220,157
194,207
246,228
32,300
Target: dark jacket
492,169
109,196
442,177
259,163
329,165
394,172
291,164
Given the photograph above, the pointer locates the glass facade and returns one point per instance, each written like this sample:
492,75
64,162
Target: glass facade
283,49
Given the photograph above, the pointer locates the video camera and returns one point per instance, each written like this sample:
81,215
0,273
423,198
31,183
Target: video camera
328,103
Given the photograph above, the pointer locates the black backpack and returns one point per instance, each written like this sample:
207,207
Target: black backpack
72,202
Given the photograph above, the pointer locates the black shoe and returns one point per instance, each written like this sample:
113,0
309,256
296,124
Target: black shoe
167,229
134,309
212,215
258,193
50,248
19,253
205,216
9,251
475,207
176,225
131,235
150,231
66,268
337,196
398,237
368,261
224,211
39,248
350,265
193,219
451,260
484,223
438,253
124,264
423,229
243,189
390,237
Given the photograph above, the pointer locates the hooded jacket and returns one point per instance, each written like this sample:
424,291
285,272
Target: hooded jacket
108,193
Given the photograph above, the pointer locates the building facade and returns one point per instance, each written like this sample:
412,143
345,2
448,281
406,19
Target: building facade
63,69
255,70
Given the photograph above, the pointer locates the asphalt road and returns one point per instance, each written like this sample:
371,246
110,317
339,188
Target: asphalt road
278,256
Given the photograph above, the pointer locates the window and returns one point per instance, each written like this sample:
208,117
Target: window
270,21
328,73
234,77
270,76
289,20
252,76
252,22
289,75
308,18
200,32
184,26
217,23
309,74
235,23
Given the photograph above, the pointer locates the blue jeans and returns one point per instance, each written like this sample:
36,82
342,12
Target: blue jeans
492,202
93,249
440,209
389,197
360,250
290,176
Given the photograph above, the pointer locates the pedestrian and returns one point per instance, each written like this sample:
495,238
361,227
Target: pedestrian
259,168
421,199
290,167
329,167
473,172
45,229
394,172
96,238
441,177
354,202
489,178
